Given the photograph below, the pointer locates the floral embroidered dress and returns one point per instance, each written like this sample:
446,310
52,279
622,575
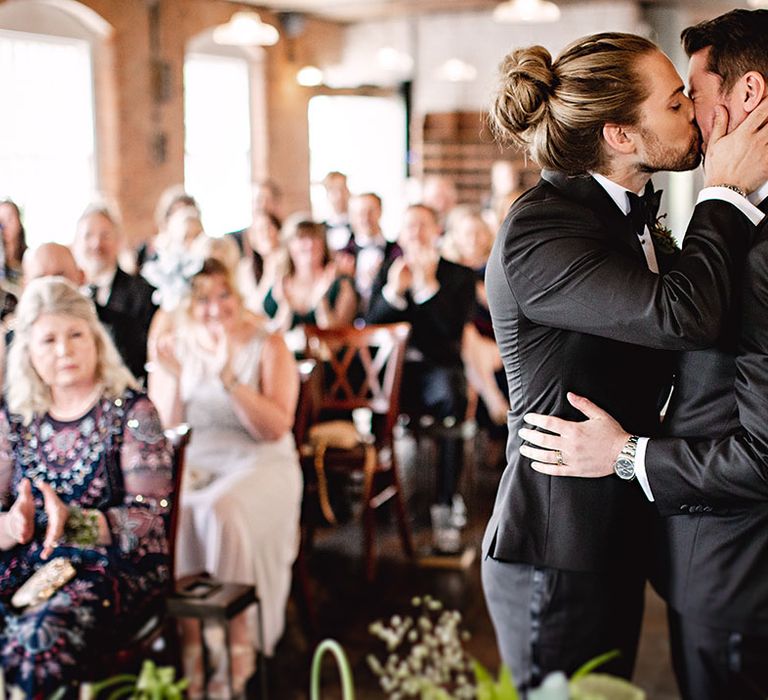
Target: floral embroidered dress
114,458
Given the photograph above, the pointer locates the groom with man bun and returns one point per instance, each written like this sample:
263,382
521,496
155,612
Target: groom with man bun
708,474
586,296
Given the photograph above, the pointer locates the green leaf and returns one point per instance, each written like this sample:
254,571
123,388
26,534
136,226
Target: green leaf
506,686
120,679
592,664
121,692
488,689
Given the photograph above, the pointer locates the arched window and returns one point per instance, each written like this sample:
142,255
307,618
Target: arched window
217,142
47,133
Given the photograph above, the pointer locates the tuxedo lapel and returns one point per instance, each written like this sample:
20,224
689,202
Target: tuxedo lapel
586,190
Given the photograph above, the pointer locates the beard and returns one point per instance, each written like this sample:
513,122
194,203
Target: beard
661,157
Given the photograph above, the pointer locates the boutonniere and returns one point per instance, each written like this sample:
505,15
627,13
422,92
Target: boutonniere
662,235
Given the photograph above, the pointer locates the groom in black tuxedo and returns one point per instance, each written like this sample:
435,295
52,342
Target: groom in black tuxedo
578,304
713,484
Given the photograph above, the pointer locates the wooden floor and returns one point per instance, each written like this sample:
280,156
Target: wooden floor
346,605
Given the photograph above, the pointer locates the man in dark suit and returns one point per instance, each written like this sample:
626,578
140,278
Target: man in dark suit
123,301
435,296
713,484
367,249
575,295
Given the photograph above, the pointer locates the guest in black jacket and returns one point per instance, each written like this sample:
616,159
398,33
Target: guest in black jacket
435,296
123,301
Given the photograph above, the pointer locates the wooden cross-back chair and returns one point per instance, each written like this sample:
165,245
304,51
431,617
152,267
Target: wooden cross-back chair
360,368
142,644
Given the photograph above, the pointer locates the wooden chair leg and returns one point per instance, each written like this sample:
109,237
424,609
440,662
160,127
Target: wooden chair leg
369,527
400,513
302,590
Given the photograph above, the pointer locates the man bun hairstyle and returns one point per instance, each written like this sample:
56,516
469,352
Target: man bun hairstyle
738,43
556,110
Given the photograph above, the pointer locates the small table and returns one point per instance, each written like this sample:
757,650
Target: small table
202,597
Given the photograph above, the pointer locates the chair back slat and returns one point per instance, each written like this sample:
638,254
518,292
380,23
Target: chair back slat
178,437
360,367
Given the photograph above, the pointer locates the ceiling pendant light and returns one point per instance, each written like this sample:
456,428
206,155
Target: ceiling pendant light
526,11
246,29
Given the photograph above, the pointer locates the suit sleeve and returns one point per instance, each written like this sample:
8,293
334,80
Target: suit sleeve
730,470
443,316
379,309
560,259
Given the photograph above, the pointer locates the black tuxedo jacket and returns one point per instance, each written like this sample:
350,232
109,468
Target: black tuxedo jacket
127,315
715,481
436,325
575,308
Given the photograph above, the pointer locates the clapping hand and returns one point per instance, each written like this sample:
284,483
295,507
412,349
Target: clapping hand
20,524
322,285
165,352
399,277
57,513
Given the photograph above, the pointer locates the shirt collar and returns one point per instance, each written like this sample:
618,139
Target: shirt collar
104,279
759,194
616,192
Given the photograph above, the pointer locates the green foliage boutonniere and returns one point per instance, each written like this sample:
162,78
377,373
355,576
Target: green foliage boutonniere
662,236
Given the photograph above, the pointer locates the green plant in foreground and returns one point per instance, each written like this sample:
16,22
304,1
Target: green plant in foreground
153,683
425,659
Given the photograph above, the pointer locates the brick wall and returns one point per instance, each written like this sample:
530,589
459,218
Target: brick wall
140,125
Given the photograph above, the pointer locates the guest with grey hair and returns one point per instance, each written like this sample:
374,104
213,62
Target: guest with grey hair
123,301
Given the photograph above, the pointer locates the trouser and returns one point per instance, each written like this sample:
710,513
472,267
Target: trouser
551,620
442,393
717,664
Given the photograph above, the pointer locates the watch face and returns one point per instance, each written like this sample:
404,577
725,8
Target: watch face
624,468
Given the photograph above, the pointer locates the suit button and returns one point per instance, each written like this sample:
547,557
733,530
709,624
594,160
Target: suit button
692,509
707,509
684,507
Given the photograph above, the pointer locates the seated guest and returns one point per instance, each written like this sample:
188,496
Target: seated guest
312,292
123,301
171,200
85,474
506,187
367,247
180,253
51,260
13,240
266,263
439,193
435,296
47,260
237,386
337,226
468,242
266,198
223,249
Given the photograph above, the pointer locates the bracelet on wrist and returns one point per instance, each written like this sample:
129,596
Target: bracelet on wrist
82,527
733,188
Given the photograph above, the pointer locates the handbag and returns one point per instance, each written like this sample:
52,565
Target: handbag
338,435
44,583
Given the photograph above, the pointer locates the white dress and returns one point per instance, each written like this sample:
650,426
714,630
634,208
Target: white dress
241,497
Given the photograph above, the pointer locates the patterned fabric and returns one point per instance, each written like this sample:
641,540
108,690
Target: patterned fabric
114,458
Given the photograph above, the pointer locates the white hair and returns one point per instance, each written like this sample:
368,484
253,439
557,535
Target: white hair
27,395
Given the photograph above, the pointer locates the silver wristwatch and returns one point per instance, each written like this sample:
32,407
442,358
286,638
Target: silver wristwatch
624,466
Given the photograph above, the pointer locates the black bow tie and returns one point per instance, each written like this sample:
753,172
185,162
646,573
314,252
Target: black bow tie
644,210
